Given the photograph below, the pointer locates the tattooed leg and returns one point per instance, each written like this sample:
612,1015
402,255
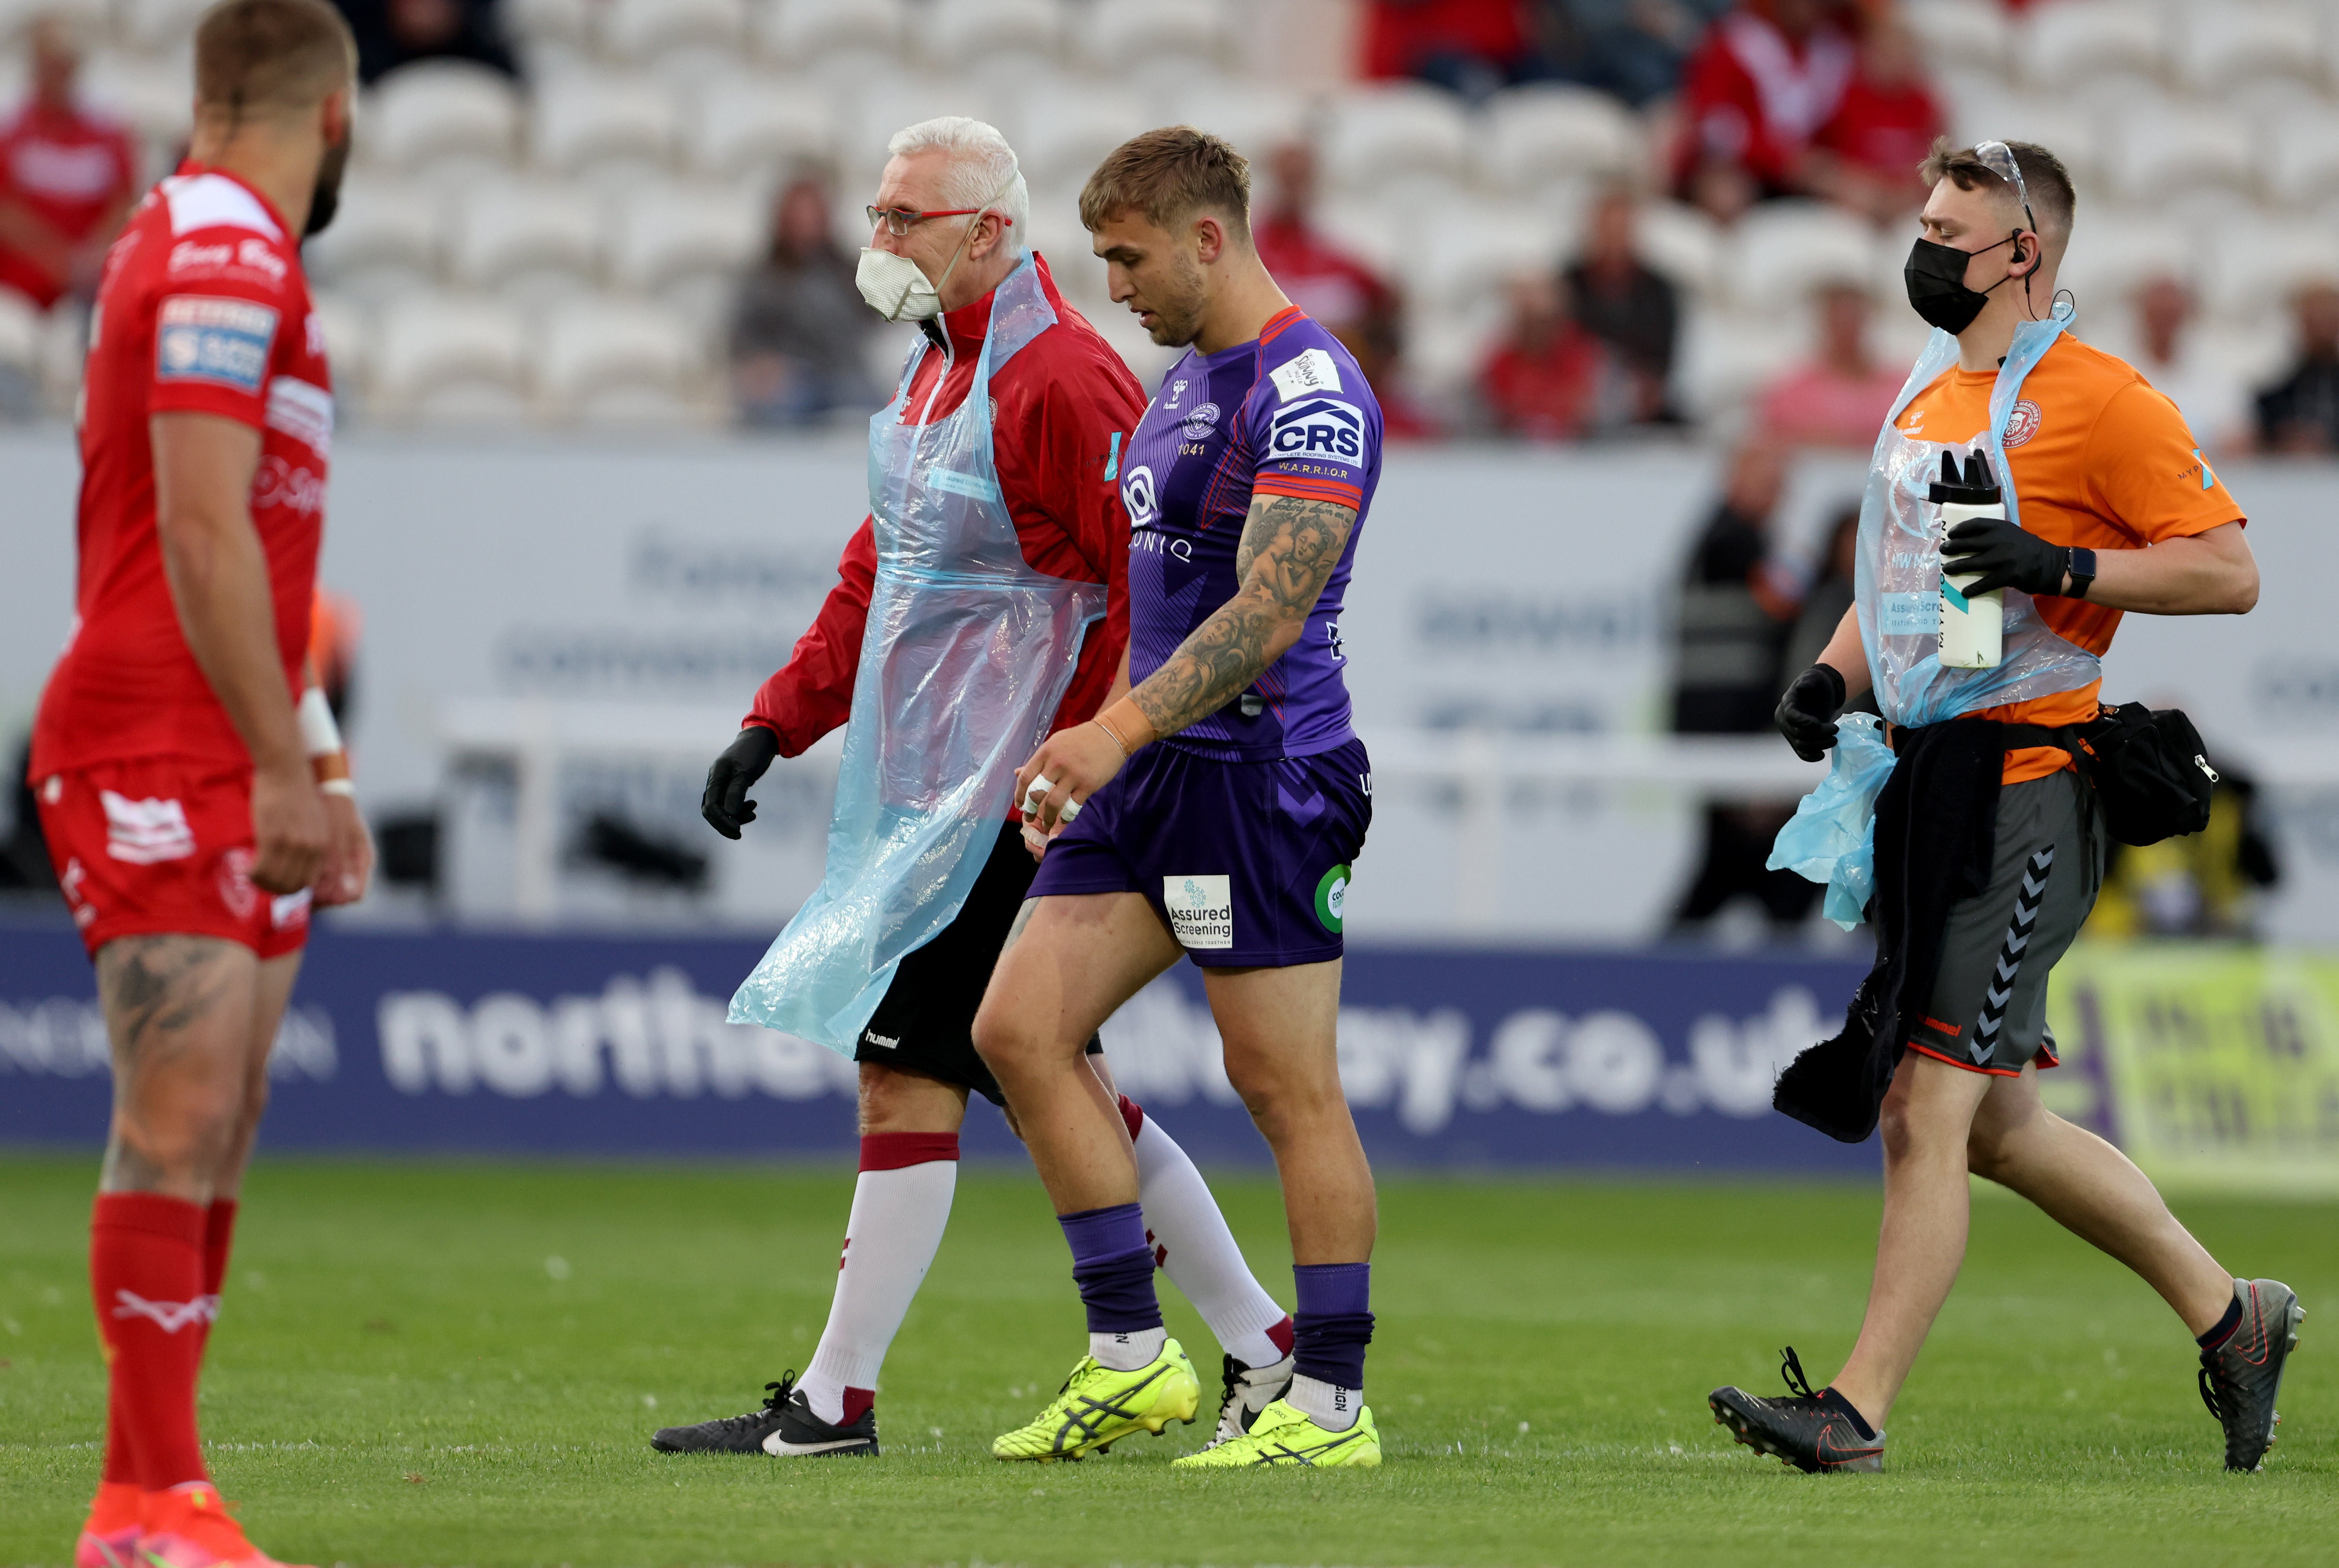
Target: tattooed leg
272,988
179,1012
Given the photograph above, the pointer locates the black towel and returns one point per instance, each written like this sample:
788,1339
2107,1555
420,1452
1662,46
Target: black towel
1936,833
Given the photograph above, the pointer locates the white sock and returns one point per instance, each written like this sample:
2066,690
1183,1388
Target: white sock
1191,1239
1330,1406
898,1217
1128,1352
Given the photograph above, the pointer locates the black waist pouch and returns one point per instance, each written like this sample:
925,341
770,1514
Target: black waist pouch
2151,773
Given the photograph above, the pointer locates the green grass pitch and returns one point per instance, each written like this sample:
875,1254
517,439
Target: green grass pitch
459,1364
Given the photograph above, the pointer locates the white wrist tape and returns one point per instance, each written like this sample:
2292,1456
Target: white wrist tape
339,786
319,732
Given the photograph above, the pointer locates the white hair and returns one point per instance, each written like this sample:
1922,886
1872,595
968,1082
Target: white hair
980,164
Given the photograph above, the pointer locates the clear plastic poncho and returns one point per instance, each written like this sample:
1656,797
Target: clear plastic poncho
967,654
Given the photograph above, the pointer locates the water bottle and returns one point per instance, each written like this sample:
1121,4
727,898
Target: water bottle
1973,627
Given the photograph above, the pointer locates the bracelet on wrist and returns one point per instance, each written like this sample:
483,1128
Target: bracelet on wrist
1105,725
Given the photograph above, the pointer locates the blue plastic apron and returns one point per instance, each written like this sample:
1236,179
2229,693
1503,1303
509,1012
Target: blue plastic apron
967,654
1896,591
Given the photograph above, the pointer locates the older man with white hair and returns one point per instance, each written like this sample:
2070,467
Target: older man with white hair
963,630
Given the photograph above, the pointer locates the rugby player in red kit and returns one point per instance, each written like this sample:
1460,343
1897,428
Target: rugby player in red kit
194,798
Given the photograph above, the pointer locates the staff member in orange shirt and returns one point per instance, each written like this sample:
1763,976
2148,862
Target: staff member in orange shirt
2109,508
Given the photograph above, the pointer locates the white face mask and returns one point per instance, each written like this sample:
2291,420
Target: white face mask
896,287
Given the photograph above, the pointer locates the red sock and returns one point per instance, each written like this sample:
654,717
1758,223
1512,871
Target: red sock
146,1275
219,1233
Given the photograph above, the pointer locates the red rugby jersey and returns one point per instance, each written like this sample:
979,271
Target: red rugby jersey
202,308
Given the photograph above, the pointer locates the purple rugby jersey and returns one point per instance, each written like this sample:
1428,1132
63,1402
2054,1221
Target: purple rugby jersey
1288,414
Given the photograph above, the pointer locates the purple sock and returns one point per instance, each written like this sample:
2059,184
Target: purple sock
1113,1263
1331,1327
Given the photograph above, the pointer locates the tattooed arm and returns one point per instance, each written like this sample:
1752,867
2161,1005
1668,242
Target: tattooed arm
1288,549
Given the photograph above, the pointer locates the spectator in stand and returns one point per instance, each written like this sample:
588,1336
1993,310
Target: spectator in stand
799,330
1866,156
1840,396
2300,413
1332,286
1737,611
1767,78
394,33
1472,46
2215,407
1543,380
1634,49
67,178
1631,308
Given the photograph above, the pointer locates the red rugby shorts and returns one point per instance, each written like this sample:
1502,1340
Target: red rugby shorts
162,845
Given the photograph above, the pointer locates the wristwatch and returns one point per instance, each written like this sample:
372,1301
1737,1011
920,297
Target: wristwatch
2081,565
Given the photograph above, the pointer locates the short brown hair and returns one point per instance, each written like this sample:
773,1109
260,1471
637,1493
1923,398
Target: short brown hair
2053,204
1168,175
253,56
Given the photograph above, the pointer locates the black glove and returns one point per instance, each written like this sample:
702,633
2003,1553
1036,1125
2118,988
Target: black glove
2005,555
726,806
1806,715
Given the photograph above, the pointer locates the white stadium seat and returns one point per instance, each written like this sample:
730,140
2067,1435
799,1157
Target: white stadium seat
686,245
1256,117
525,240
154,97
437,115
20,333
1134,35
1540,136
1781,251
2158,150
2112,254
889,106
643,30
450,359
2218,44
1060,137
567,22
2062,45
1972,34
591,122
348,348
1724,359
161,26
1375,136
752,127
2253,269
2063,128
806,32
386,239
2301,160
1683,243
956,33
616,362
1465,254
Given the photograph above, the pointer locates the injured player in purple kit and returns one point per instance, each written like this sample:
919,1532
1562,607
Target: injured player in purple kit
1214,809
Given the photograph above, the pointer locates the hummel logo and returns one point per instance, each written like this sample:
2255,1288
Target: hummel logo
170,1316
874,1038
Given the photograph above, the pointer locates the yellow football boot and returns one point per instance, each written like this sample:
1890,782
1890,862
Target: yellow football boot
1283,1435
1097,1407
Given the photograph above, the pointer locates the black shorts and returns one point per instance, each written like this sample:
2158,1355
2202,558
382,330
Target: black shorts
925,1024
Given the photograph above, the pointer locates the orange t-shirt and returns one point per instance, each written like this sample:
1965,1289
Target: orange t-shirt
2101,461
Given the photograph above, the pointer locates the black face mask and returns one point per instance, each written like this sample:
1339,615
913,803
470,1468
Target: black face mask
326,200
1935,277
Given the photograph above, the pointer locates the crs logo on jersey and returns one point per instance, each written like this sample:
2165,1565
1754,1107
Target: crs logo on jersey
1320,427
1138,493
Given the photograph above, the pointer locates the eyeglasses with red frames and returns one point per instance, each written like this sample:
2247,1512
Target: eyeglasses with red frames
899,221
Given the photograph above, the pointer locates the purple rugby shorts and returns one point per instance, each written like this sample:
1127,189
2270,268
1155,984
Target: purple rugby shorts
1247,863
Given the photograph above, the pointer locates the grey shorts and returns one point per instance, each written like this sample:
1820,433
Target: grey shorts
1988,1006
